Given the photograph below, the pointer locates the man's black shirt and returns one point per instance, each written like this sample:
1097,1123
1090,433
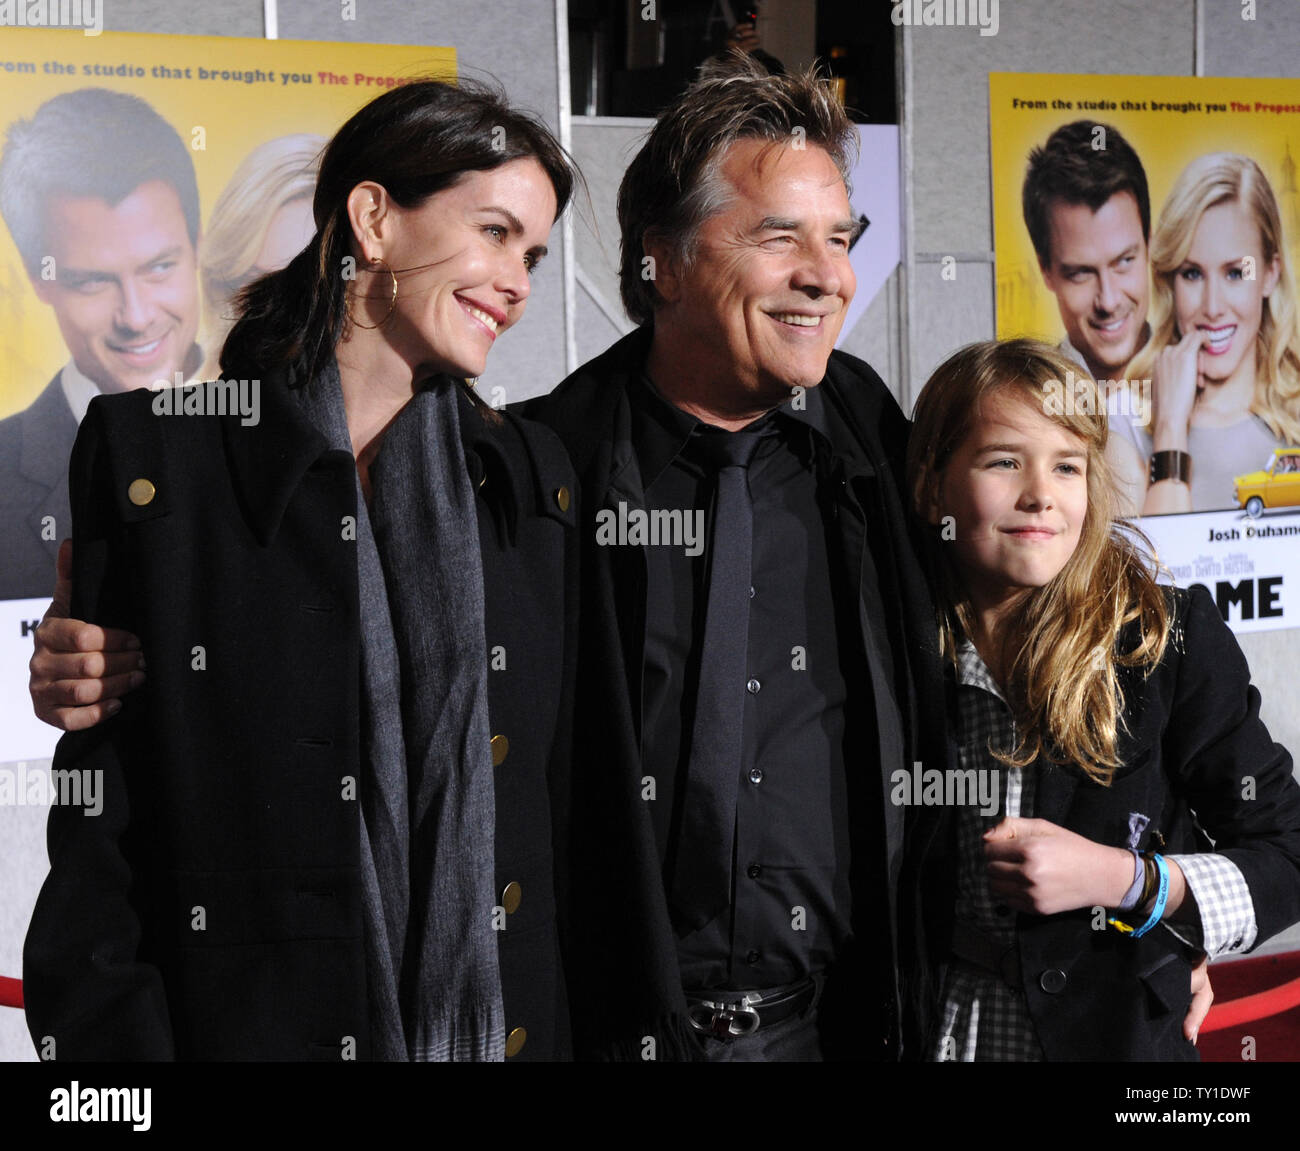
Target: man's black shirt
790,910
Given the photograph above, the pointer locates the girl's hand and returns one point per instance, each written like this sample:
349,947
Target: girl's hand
1202,997
1039,867
1173,392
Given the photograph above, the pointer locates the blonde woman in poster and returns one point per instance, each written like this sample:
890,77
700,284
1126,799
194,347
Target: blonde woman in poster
261,220
1224,354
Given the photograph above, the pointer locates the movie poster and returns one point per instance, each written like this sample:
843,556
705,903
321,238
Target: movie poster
1191,330
143,181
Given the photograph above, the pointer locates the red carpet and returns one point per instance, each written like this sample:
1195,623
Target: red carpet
11,992
1276,1037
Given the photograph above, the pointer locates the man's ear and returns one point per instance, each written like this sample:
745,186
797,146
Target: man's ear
663,267
371,216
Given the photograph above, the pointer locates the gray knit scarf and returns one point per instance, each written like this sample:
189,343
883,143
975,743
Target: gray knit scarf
427,803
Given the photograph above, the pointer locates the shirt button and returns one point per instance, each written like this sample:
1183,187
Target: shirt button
753,956
754,870
752,686
751,591
755,775
1052,981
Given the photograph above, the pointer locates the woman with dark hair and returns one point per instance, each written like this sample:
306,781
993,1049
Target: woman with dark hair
326,822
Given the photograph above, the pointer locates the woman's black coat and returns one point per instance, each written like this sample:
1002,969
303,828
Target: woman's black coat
212,910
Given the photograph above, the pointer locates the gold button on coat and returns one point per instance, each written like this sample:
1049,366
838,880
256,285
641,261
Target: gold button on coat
500,749
515,1041
140,492
562,498
511,896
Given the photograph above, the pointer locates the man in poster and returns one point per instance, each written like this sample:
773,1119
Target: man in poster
99,194
1088,213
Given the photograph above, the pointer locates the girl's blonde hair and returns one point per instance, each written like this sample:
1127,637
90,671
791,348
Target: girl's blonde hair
1209,180
273,174
1062,659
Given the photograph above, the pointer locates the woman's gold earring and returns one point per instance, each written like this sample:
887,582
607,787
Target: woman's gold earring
392,304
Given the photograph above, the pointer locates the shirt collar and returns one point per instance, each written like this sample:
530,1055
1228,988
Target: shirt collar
78,390
808,411
808,408
972,671
661,430
1068,349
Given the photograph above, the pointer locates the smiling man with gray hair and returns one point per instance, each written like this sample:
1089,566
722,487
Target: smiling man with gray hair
736,887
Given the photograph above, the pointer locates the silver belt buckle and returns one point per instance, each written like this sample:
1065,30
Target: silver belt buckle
725,1020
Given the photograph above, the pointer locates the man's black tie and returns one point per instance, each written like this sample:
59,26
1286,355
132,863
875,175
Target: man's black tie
701,887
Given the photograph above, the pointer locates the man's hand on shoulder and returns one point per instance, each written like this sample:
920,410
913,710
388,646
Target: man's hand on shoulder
79,672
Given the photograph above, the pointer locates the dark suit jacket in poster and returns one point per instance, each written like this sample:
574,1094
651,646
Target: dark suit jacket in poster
1200,764
225,787
35,445
622,952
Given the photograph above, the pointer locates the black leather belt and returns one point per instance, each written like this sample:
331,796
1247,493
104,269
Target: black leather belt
732,1014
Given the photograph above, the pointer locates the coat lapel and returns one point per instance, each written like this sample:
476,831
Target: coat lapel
268,459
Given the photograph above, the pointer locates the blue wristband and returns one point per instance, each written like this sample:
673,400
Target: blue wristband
1162,898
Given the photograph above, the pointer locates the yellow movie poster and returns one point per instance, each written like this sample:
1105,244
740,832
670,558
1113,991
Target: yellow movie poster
1150,226
144,180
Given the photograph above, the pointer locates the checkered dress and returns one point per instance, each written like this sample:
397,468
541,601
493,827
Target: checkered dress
982,1019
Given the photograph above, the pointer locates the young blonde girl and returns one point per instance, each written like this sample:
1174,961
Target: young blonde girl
1066,924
